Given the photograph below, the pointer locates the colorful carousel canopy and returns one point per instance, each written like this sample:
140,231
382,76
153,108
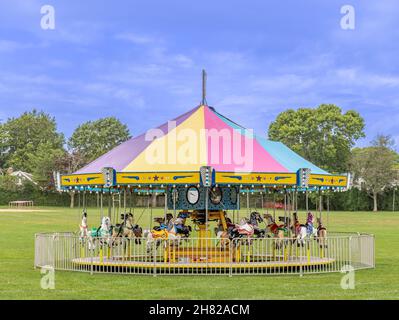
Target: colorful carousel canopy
175,152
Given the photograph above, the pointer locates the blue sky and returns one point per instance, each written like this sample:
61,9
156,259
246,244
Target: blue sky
141,61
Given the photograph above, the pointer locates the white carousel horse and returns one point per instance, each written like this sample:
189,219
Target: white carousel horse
103,233
83,227
244,228
242,231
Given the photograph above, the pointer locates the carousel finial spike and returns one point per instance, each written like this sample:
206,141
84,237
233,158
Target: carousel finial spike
203,102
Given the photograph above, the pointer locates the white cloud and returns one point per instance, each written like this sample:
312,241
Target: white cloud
135,38
11,46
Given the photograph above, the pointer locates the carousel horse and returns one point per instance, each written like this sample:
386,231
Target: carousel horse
127,229
303,231
163,223
83,227
135,228
156,236
243,230
180,225
279,232
321,234
225,236
254,219
102,233
220,229
242,233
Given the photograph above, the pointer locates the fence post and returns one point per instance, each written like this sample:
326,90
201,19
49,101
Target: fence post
154,269
231,259
36,252
91,261
301,261
350,250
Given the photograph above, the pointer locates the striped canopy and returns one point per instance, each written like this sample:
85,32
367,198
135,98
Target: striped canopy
200,137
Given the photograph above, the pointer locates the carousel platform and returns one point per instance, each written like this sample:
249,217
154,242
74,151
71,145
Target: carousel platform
138,265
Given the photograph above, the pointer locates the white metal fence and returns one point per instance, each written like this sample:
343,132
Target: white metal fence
263,256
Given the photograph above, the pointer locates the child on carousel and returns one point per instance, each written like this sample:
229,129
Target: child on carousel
309,223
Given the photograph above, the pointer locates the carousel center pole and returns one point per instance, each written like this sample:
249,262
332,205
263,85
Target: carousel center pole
203,101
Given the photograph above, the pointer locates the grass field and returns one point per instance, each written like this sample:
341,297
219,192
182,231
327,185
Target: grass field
19,280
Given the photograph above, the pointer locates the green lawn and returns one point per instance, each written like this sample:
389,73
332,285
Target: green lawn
19,280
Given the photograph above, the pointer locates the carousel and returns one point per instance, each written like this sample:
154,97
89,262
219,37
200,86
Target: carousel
207,169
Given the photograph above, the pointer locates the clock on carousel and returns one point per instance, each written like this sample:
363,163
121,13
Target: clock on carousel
193,197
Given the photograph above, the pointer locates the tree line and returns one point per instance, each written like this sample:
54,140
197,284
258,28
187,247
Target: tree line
324,135
32,143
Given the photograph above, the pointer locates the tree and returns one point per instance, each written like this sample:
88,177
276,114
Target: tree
8,183
374,167
69,163
44,163
93,138
23,137
323,135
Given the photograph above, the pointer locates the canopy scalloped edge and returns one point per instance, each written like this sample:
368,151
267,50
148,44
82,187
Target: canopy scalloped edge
256,179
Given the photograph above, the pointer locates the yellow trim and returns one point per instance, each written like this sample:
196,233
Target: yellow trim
202,265
193,177
256,178
323,180
88,179
158,178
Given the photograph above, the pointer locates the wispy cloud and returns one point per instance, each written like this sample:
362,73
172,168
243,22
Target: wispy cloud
135,38
8,46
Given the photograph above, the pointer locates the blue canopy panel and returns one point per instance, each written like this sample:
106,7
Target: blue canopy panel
288,158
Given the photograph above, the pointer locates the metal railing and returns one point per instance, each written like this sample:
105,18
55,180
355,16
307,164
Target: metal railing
263,256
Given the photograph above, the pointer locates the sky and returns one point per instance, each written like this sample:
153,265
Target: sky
141,61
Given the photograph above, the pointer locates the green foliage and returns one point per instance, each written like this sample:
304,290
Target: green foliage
94,138
44,162
8,183
374,167
39,197
10,191
323,135
23,137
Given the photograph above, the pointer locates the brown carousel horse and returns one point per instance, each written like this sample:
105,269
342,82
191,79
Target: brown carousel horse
321,234
127,229
278,231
